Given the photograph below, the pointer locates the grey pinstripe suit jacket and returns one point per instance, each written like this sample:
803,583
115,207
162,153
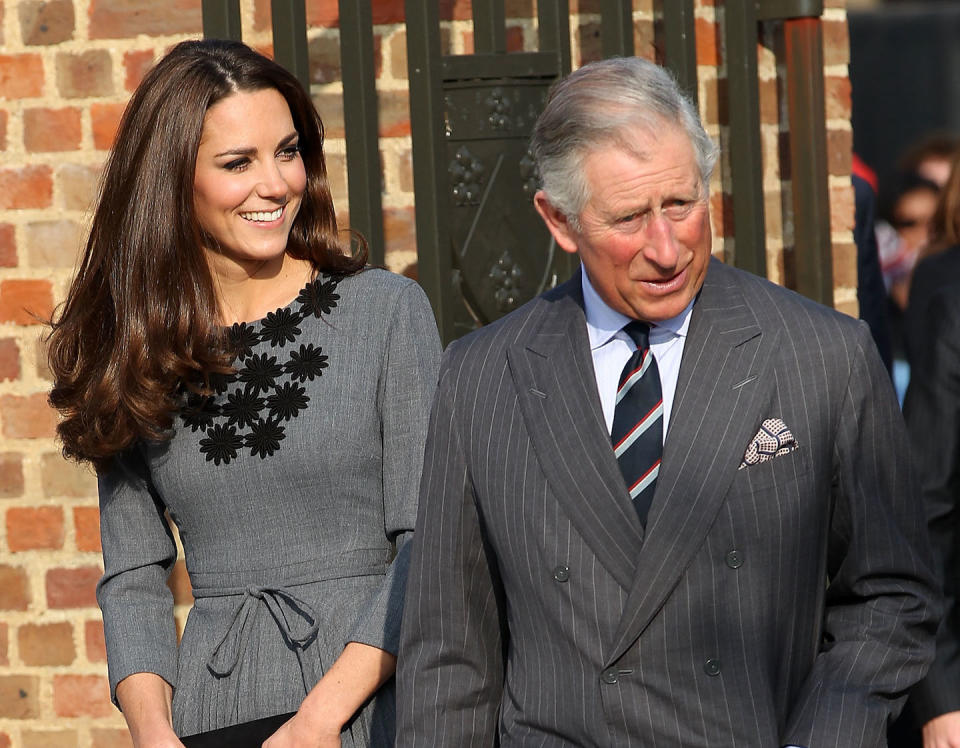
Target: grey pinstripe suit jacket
538,612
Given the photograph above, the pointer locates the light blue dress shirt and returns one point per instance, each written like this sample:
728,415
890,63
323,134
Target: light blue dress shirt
611,348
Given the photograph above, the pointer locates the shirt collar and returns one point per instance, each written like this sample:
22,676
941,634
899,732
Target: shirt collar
603,323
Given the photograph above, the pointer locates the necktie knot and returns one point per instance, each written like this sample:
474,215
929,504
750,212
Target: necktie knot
639,333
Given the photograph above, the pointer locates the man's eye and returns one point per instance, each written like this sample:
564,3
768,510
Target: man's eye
678,208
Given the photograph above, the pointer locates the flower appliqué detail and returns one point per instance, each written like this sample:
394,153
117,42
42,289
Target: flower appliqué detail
248,408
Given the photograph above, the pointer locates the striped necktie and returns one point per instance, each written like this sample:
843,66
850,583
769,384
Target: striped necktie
637,433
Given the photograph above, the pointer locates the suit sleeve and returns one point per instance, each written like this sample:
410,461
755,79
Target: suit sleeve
932,411
406,386
138,555
451,666
881,604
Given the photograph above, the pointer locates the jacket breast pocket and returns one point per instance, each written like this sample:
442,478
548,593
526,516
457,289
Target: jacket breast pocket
783,469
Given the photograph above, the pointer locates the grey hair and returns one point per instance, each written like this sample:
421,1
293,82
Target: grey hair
604,103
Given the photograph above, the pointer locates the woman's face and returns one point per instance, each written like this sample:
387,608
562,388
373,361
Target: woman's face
249,179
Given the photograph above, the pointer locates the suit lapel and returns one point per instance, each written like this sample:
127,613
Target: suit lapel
720,391
553,372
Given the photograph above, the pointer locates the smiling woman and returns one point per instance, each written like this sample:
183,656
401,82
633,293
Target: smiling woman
221,358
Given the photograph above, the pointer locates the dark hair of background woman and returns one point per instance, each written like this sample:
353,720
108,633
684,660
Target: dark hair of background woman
141,318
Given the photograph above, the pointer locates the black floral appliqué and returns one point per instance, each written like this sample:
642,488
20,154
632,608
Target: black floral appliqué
287,401
307,363
243,338
260,372
280,327
243,408
221,444
250,405
318,297
263,439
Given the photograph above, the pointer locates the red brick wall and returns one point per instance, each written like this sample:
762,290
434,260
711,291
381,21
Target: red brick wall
66,70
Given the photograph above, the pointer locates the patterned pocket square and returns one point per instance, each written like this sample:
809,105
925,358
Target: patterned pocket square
772,440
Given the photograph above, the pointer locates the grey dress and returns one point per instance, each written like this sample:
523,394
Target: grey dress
290,488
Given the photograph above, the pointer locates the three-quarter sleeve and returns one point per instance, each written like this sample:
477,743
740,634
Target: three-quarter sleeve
406,387
138,555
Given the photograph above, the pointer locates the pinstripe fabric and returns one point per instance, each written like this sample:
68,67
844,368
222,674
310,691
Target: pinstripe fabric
539,613
932,411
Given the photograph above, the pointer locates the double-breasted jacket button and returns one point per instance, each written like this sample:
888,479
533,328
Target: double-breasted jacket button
561,573
734,559
712,667
610,676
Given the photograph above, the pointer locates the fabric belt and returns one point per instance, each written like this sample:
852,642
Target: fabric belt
296,619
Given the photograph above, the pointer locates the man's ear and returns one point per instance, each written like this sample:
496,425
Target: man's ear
557,223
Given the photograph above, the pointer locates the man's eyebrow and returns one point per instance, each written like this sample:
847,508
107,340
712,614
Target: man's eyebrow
250,150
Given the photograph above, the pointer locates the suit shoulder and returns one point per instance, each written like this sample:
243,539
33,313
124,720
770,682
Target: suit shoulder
773,304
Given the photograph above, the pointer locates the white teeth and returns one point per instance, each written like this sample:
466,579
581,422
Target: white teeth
262,215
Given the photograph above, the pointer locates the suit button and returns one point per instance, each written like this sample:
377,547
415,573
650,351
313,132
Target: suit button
610,676
734,559
561,573
712,667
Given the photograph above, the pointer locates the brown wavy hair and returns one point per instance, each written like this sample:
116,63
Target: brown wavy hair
141,319
945,225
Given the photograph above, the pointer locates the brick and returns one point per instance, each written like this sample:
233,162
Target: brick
49,130
119,19
179,584
14,589
394,113
3,130
107,738
841,208
721,214
9,360
93,641
4,644
84,74
11,475
34,528
25,302
49,739
836,43
330,107
53,244
405,171
49,22
72,588
21,76
589,43
5,741
399,229
769,101
397,52
337,177
26,187
844,265
837,93
839,151
27,416
19,696
81,696
65,478
86,523
105,119
40,359
77,185
136,63
645,39
515,39
708,44
455,10
46,644
713,101
323,13
8,246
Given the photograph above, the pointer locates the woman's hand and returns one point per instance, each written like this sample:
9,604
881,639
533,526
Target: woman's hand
942,731
145,701
299,732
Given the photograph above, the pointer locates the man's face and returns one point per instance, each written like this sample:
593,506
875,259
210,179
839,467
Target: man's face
644,236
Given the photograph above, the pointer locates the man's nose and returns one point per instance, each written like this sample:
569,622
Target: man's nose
661,244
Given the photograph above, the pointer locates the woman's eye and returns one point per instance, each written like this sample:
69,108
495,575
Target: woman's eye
236,165
289,153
